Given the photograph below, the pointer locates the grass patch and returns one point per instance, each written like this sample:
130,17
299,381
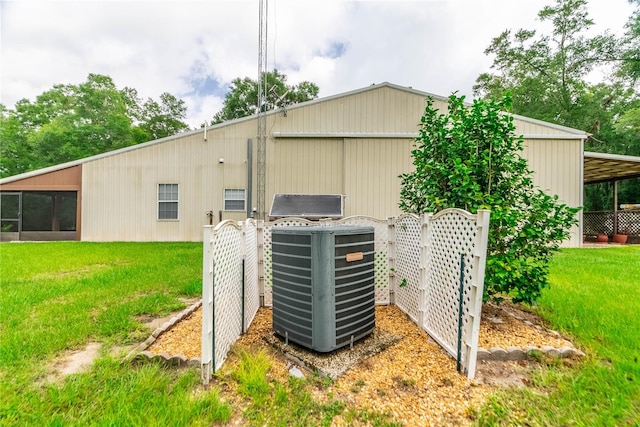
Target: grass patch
117,394
57,296
60,296
595,298
251,375
272,403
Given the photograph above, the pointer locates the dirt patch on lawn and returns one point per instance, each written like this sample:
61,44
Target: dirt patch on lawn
153,322
79,360
504,373
72,362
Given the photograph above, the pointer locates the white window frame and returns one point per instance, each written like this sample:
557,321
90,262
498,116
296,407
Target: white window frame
235,194
176,201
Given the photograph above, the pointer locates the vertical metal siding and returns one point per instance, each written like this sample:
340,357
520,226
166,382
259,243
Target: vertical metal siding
372,167
380,110
120,192
306,166
556,165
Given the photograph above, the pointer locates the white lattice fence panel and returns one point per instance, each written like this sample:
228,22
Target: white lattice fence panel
381,257
227,289
267,255
408,286
452,235
251,285
222,293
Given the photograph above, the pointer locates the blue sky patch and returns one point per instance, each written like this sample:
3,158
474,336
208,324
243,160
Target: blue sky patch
206,85
333,51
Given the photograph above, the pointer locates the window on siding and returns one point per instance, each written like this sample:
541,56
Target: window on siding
167,201
234,199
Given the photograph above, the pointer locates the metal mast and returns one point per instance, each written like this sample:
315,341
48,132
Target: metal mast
262,114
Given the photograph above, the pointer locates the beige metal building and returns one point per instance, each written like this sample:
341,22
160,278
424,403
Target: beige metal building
355,144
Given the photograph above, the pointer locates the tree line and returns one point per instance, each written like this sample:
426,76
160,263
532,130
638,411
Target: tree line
69,122
546,75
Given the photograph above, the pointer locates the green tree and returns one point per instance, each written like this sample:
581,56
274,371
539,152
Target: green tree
630,67
81,121
15,153
546,73
152,119
469,158
69,122
547,76
242,98
164,118
629,125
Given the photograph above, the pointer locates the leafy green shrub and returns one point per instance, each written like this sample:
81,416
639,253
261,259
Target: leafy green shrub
470,158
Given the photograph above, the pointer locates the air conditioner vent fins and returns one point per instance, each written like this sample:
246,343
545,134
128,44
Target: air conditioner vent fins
323,285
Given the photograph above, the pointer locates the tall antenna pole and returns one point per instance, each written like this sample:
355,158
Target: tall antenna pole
262,114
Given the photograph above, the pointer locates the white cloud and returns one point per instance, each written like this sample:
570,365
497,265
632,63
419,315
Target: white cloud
193,49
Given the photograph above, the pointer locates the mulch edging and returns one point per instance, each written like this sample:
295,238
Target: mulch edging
140,354
528,352
494,353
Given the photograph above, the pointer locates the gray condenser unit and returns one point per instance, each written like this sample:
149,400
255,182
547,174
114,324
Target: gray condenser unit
323,285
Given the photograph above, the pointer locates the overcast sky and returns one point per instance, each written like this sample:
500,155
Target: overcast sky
193,49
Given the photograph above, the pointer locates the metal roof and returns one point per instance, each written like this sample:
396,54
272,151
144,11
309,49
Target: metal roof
602,167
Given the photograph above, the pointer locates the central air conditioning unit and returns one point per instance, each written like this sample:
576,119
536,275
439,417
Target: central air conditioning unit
323,285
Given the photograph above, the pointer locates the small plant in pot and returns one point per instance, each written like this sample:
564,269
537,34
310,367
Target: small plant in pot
621,237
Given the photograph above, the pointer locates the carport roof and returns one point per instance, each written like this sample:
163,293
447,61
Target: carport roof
602,167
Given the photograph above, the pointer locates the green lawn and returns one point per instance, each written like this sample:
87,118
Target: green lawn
60,296
595,298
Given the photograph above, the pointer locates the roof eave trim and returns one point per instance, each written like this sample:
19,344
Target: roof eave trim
607,156
301,135
551,125
409,135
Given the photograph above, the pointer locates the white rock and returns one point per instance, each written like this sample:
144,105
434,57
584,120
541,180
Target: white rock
295,372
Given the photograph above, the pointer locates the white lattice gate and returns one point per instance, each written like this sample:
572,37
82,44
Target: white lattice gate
455,253
230,295
252,288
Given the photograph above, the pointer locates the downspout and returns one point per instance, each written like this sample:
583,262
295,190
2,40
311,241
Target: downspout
581,195
249,204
